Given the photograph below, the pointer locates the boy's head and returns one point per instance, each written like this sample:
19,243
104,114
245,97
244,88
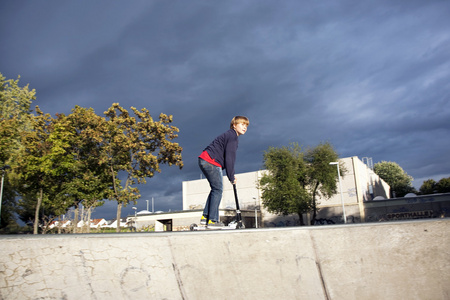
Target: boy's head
239,119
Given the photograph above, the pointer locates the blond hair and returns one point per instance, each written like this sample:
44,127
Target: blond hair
239,119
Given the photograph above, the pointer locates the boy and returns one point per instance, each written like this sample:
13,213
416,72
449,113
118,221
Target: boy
219,155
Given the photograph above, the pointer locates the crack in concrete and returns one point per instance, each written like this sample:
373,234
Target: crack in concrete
319,268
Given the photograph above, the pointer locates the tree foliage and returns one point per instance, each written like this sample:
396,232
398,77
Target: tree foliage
322,176
443,185
90,180
399,181
135,146
15,119
82,158
430,186
41,167
282,191
297,178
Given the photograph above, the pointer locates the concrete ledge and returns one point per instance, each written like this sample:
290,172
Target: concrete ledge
398,260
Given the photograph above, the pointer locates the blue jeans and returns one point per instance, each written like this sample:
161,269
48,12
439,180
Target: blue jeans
215,178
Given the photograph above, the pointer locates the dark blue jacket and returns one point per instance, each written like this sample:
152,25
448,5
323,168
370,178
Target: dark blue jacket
223,150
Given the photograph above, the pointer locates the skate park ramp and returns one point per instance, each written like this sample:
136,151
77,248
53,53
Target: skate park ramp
398,260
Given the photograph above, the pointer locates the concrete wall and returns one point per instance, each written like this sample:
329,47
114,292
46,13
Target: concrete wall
402,260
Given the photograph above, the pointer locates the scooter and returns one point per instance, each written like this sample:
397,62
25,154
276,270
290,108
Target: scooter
235,224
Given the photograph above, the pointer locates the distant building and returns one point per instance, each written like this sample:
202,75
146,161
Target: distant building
63,224
98,223
113,223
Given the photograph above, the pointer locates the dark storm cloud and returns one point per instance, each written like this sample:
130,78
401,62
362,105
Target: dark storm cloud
369,77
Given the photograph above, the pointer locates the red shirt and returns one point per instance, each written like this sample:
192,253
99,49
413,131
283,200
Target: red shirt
205,156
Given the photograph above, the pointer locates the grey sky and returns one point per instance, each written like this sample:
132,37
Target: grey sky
370,77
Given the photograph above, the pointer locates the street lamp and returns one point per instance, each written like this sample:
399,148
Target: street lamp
153,205
256,214
3,169
340,188
135,218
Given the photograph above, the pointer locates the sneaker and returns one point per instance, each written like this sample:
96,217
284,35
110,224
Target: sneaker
203,220
215,225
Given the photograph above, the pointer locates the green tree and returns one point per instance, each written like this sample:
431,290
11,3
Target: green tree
443,185
89,178
428,187
296,179
282,191
65,151
321,176
34,164
42,168
395,177
63,163
134,148
15,119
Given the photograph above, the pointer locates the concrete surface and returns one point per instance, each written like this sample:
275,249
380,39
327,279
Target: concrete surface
399,260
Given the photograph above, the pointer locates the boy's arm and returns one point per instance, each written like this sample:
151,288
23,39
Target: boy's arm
230,159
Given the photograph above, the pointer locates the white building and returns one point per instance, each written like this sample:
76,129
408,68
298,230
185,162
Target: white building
63,224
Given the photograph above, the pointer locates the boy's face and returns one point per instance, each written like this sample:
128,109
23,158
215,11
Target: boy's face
240,128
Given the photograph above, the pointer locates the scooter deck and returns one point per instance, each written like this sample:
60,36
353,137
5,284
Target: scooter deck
204,227
231,226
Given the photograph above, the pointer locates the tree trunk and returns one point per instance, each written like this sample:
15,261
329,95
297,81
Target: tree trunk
59,225
119,204
89,220
75,217
300,217
36,212
314,215
119,212
314,212
311,222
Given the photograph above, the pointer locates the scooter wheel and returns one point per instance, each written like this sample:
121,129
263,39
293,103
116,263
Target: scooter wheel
192,227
